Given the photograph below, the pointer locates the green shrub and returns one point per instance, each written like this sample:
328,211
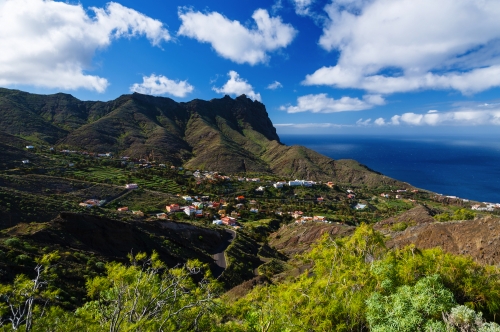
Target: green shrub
23,259
13,242
399,227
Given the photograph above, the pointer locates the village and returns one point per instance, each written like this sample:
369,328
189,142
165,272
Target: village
231,200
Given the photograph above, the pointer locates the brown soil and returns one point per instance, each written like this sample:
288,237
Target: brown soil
241,290
479,239
295,239
415,216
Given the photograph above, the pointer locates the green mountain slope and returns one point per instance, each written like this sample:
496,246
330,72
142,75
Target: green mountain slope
231,135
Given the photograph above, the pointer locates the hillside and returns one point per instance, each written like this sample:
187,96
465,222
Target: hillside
229,135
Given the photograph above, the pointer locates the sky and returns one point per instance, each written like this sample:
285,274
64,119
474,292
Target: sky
320,67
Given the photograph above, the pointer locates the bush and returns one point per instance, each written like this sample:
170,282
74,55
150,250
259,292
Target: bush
23,259
399,227
13,242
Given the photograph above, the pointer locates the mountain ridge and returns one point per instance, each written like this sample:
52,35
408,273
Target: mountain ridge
222,134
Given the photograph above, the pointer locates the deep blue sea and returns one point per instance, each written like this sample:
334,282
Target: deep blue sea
467,167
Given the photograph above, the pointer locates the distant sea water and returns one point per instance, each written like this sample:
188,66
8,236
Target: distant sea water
465,167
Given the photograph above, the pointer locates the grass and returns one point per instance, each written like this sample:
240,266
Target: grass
121,177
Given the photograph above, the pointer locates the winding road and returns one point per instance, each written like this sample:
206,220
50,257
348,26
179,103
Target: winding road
219,257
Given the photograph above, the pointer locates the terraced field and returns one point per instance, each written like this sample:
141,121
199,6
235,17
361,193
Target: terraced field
120,177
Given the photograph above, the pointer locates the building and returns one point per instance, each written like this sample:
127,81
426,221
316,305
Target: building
131,186
360,206
173,208
189,210
187,198
123,209
138,213
229,221
26,161
29,147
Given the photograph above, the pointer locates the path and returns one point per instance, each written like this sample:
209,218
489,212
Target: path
219,257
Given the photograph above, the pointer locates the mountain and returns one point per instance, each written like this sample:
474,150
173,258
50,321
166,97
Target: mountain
226,134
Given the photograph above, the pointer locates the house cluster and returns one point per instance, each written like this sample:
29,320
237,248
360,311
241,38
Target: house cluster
92,203
294,183
301,219
206,175
243,179
490,207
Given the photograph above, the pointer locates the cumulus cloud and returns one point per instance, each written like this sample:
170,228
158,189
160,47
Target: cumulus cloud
50,44
237,86
389,46
321,103
468,117
275,85
234,41
302,7
160,85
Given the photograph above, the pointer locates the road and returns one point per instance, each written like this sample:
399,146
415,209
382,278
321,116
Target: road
219,257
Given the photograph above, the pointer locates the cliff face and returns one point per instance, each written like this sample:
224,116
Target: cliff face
226,134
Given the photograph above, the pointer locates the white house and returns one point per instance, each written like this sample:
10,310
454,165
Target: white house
187,198
360,206
26,161
279,184
131,186
30,147
189,210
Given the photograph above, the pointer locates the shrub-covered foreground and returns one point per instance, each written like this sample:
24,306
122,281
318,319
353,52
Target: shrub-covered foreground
355,284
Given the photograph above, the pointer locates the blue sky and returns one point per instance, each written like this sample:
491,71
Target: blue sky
337,66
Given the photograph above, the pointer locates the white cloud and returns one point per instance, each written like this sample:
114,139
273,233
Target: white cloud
302,6
389,46
160,85
275,85
237,86
460,117
234,41
366,122
321,103
50,44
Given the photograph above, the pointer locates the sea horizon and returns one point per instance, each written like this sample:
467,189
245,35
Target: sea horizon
465,166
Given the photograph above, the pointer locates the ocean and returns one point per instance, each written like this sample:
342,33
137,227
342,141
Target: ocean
467,167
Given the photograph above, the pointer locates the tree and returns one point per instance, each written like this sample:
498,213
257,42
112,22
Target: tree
149,296
26,298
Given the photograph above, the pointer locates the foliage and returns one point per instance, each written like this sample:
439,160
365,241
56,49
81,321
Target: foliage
460,214
147,296
402,284
410,308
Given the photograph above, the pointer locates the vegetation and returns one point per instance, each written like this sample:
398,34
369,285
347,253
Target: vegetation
355,283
